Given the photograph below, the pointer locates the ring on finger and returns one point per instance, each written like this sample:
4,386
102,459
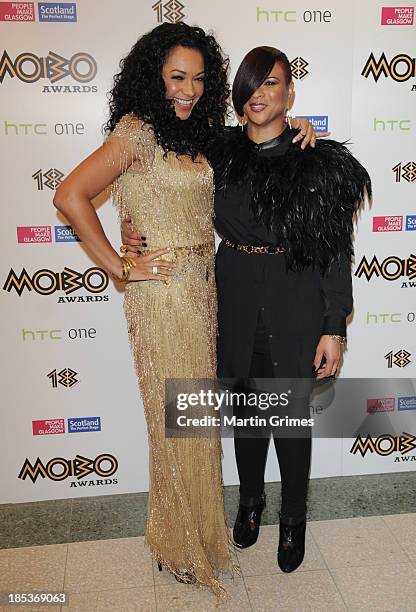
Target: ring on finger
154,270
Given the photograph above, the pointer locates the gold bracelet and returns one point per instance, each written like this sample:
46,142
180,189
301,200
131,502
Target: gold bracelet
123,248
341,339
126,264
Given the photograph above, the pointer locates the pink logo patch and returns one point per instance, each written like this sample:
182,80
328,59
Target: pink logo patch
392,223
34,233
46,427
17,11
397,15
380,404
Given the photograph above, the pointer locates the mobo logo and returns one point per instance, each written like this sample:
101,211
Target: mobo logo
59,468
401,68
384,445
29,68
391,268
46,282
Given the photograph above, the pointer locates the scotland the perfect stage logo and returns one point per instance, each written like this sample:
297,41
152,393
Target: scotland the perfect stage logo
64,12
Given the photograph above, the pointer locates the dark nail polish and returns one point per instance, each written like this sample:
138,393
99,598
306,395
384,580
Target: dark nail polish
143,237
139,252
145,244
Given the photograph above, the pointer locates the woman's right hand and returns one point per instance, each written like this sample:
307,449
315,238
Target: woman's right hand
131,239
143,270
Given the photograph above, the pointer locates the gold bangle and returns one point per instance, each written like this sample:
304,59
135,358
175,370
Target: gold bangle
341,339
126,270
123,248
126,264
130,261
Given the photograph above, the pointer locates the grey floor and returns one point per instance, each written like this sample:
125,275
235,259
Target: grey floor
123,516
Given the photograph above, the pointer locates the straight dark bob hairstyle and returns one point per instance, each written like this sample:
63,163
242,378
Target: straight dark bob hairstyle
253,70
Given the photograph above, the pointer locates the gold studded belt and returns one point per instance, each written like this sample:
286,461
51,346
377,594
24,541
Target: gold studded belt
248,248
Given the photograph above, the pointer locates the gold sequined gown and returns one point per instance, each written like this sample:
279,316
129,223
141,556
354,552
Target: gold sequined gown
172,330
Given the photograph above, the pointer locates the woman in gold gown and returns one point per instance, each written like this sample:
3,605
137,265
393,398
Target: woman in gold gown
169,97
172,330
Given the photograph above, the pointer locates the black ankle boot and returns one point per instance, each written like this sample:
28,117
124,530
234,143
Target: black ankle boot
291,545
247,523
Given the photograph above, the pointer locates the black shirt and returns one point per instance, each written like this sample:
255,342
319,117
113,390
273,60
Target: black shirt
296,308
233,216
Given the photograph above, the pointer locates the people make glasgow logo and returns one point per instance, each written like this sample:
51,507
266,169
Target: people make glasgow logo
17,12
30,234
380,404
47,427
388,223
397,15
30,68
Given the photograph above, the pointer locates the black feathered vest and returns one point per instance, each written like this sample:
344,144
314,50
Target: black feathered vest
307,197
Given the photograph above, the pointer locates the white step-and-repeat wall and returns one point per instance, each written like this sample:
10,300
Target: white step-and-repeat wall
72,418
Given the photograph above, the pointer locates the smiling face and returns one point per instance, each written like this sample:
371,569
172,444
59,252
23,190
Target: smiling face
269,102
183,74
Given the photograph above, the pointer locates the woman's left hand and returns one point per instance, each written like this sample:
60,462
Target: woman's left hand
331,350
307,134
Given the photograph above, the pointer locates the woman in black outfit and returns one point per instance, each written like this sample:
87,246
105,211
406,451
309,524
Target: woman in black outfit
283,272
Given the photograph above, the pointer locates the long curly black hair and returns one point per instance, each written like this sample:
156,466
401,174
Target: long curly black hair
139,88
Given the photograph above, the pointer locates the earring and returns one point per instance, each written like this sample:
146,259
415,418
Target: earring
242,121
288,117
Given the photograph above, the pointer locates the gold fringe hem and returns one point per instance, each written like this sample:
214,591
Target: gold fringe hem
213,583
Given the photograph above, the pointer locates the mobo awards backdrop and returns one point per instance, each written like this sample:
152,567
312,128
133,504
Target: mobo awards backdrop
72,419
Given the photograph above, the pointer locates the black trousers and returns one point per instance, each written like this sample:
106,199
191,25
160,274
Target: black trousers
293,454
